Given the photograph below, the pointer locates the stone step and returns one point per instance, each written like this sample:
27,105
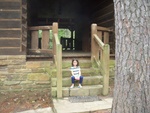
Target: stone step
84,72
83,63
38,64
92,90
87,80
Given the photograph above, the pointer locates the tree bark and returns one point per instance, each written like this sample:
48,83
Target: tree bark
132,76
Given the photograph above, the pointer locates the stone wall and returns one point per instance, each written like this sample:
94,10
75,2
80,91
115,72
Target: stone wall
17,74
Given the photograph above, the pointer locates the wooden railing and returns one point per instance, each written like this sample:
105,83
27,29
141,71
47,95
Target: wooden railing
56,49
45,39
57,52
100,52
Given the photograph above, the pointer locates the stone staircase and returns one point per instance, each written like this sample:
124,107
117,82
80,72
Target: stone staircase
91,83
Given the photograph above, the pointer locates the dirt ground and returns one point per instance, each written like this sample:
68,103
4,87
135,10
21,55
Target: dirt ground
16,102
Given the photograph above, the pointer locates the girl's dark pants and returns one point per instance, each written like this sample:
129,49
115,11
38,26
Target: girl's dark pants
73,79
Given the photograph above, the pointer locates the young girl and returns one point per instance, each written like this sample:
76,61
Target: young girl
76,73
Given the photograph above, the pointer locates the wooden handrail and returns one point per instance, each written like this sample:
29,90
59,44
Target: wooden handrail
99,41
57,52
100,53
99,28
40,28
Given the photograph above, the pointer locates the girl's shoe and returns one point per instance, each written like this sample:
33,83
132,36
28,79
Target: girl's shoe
72,86
80,86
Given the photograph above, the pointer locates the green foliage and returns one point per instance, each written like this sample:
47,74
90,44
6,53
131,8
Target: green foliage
61,33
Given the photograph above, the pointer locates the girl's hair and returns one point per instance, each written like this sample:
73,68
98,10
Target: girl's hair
75,60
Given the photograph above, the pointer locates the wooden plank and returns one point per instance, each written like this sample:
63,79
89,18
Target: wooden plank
10,15
45,39
10,5
10,24
11,51
10,33
9,43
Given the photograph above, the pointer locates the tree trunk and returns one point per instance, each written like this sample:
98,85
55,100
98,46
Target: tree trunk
132,77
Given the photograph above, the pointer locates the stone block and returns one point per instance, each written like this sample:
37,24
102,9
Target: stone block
17,77
19,57
38,77
79,92
2,77
95,91
65,92
54,92
9,83
4,62
22,70
66,82
3,57
31,65
17,62
26,82
43,83
38,70
5,88
54,82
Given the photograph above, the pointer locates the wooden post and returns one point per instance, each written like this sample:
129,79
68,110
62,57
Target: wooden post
54,30
55,27
93,31
105,67
34,40
45,39
59,70
106,37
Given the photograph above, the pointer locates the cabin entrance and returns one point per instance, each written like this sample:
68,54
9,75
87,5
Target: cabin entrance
74,19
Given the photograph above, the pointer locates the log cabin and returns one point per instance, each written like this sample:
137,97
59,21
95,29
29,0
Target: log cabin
20,22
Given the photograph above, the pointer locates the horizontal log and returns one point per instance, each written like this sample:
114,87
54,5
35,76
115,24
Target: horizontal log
10,5
10,0
11,51
9,43
40,28
10,24
10,33
10,15
99,28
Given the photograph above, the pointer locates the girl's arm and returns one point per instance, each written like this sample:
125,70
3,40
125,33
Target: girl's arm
72,73
80,71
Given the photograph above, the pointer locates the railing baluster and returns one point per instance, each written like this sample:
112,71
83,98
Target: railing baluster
45,39
34,40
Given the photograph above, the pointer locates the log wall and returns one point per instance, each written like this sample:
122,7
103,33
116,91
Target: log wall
10,27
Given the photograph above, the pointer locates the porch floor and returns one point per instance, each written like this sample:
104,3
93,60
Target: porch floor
35,55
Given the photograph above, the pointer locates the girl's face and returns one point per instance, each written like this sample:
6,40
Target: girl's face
75,63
